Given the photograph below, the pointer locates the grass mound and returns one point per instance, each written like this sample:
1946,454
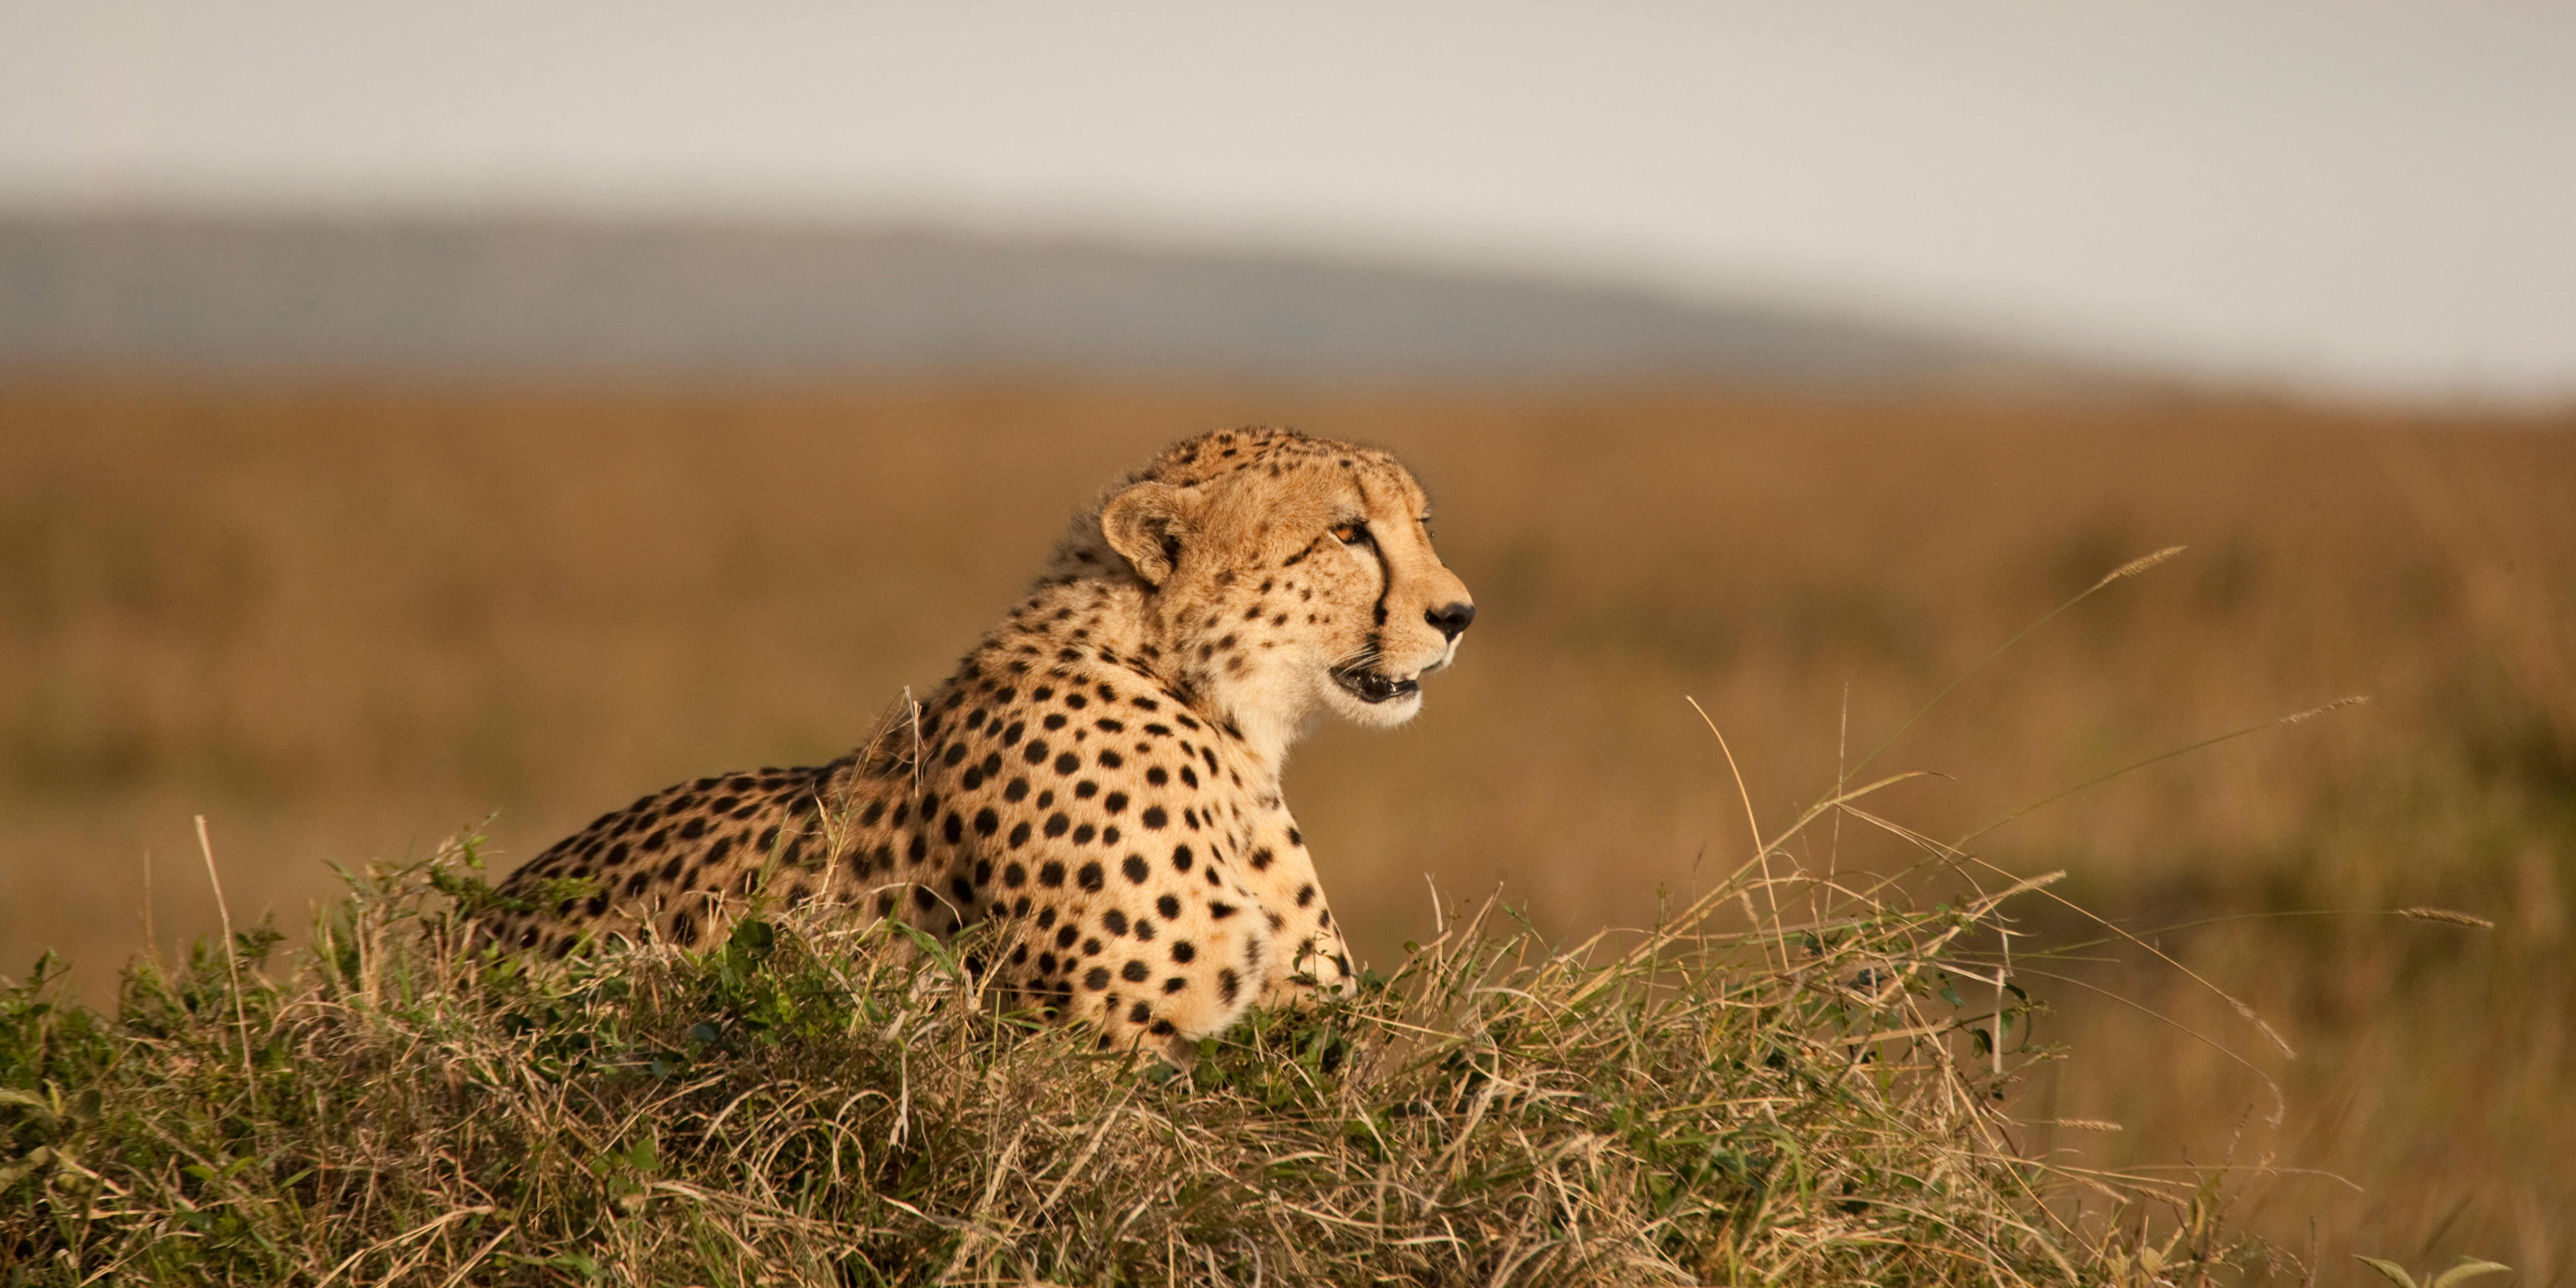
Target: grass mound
1791,1081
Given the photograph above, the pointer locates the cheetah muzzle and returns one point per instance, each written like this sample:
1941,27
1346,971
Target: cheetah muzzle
1101,774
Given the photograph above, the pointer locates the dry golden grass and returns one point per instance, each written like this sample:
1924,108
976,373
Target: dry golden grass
1804,1099
344,620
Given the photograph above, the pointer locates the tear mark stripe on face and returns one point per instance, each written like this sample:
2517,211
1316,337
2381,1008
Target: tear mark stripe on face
1377,611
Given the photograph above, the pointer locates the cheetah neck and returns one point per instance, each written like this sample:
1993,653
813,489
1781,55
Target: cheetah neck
1093,631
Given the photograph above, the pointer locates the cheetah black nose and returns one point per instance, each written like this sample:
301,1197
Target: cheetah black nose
1450,619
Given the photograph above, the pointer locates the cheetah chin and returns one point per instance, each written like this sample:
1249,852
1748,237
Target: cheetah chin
1101,774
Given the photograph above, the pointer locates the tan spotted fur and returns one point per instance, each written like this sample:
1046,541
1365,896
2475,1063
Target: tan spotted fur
1102,771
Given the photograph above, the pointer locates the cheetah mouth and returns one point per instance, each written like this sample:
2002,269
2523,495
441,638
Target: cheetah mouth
1373,688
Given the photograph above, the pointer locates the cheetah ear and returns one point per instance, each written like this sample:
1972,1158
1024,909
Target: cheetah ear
1146,523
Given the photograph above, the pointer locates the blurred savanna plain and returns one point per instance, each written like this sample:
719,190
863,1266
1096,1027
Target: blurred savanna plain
346,619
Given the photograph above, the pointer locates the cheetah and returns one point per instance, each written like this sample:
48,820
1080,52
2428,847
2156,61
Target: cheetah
1102,772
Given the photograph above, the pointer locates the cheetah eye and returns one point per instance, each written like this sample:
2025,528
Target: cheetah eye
1350,533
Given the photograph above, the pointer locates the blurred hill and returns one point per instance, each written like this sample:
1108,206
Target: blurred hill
306,295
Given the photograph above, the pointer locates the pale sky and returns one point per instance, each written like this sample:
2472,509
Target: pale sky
2351,197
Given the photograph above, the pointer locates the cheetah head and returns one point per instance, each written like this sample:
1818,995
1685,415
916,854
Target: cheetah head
1285,577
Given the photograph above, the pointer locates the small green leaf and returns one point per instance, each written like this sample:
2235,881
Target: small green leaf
755,937
37,1157
2469,1268
2395,1272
